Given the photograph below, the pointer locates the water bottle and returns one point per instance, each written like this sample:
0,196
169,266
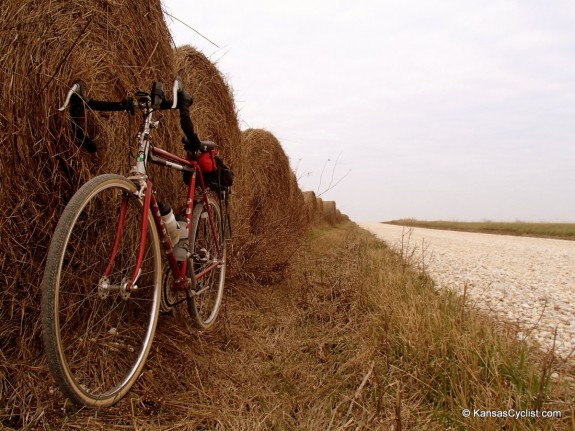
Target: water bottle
170,222
181,249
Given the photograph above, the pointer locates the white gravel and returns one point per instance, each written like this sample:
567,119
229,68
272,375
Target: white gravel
530,281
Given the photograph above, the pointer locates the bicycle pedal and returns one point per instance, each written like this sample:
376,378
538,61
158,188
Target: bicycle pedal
202,255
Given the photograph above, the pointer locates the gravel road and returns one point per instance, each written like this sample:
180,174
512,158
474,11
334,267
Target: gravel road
530,281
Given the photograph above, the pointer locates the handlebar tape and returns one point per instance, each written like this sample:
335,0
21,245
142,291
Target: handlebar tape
99,105
184,103
77,113
78,118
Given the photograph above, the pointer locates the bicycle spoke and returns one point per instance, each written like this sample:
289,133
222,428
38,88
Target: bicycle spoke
103,334
205,303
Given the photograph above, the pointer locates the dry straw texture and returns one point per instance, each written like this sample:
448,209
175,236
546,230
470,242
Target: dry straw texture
117,47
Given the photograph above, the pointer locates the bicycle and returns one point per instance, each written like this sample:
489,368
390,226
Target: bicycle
104,286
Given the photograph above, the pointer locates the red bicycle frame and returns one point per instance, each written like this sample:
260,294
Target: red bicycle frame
179,270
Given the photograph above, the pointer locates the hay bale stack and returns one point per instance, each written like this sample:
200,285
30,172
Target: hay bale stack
116,48
271,212
326,212
329,212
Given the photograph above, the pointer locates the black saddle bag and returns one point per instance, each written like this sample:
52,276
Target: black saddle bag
220,179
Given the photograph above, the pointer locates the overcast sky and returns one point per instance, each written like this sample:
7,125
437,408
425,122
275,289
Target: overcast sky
449,109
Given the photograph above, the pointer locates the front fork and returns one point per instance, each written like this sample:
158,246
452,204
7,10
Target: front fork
127,285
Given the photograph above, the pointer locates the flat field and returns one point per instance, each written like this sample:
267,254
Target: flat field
518,228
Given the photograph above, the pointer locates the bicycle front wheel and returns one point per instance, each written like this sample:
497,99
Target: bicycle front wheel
208,257
97,333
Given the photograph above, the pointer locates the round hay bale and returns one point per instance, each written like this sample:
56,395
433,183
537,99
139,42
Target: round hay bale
213,112
311,205
271,208
116,48
329,212
319,206
310,198
341,217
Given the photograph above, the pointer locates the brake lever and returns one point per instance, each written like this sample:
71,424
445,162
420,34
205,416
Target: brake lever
75,90
177,87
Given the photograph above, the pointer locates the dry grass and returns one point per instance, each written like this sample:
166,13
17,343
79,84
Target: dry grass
349,340
448,356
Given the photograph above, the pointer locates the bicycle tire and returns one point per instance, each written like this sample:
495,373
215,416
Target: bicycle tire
97,340
205,301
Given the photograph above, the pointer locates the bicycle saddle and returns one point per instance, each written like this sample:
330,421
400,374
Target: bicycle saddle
207,146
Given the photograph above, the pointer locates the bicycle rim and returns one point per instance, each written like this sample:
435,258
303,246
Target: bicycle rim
97,340
204,302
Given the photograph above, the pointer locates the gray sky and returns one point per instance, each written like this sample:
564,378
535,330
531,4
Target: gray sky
450,109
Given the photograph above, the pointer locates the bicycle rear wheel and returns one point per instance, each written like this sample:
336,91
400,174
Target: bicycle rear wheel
204,302
97,334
